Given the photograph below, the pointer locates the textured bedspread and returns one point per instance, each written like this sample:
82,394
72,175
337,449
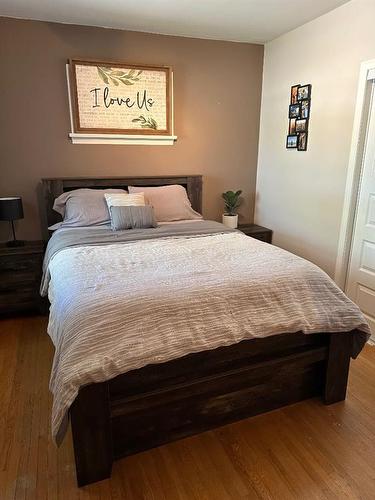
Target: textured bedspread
120,305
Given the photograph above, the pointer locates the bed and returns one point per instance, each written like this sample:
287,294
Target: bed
182,281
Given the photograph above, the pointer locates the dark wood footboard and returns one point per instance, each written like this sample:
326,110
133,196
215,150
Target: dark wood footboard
157,404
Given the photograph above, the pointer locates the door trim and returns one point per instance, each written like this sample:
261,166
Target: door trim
353,174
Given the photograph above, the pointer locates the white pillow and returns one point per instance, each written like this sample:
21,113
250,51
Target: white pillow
125,200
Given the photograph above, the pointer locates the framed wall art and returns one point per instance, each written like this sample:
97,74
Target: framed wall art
291,141
120,98
299,115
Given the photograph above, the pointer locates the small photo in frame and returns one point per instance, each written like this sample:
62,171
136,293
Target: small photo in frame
305,108
294,110
302,141
291,141
303,92
301,125
294,94
292,126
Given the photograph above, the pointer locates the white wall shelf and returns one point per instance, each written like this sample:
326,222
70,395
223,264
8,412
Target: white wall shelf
134,140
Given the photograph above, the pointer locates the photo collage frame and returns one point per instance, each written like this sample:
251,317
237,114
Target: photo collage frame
299,116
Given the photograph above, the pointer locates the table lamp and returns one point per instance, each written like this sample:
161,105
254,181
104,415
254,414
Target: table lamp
11,209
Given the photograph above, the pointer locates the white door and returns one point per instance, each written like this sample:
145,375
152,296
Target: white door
360,284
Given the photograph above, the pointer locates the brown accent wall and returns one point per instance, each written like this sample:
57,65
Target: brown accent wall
217,91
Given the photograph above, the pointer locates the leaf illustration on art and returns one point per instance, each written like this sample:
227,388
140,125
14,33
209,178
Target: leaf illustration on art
146,122
116,76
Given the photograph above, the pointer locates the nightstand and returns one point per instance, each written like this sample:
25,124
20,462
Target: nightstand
257,232
20,275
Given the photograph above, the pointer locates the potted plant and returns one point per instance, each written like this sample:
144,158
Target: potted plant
232,202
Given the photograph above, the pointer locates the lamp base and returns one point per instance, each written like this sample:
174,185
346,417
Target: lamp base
15,243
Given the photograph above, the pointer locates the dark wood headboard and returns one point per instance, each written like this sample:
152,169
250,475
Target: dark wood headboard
52,188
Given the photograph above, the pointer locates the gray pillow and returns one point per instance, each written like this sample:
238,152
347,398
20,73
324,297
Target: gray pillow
170,202
83,207
132,217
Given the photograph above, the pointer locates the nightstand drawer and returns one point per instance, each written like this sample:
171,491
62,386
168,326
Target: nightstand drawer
25,299
13,281
18,263
262,237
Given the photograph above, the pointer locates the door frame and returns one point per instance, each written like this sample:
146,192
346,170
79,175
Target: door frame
353,177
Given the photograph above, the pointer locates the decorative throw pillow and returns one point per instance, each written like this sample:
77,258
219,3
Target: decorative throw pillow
125,200
171,203
83,207
132,217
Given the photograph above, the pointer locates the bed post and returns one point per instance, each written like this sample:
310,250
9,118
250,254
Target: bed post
92,437
340,347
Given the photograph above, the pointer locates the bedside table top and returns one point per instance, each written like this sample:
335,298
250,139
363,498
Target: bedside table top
30,247
252,228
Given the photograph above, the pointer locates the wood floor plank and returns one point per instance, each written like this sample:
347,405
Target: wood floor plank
305,451
8,366
223,467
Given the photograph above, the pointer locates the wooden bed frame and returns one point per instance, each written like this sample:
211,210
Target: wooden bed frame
160,403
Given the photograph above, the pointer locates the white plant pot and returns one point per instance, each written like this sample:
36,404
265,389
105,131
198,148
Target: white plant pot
230,221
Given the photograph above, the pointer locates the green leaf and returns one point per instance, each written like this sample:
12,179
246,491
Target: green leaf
115,82
102,75
146,123
231,201
117,73
126,82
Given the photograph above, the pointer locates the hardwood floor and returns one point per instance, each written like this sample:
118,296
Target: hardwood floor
305,451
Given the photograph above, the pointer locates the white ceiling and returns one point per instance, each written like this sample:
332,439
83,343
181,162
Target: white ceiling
255,21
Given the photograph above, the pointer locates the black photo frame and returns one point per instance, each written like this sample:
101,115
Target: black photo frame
301,125
292,141
294,94
303,92
302,141
292,126
305,109
299,116
294,110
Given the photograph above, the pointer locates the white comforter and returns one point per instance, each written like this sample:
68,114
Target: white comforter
119,307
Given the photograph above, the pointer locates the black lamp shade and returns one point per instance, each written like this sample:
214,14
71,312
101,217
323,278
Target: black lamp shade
11,208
